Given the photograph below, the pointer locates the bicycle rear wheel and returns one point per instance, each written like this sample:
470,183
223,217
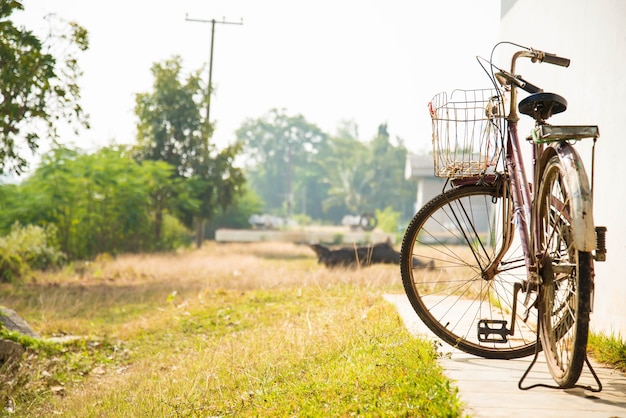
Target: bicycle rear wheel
463,277
565,296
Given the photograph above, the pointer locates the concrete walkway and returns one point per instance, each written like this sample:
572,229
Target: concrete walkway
489,388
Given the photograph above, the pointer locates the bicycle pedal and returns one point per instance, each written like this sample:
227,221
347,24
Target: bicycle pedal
493,331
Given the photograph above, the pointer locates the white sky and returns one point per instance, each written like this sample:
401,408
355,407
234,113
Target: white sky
329,60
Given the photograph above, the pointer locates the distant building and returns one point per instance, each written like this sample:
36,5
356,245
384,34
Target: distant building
420,168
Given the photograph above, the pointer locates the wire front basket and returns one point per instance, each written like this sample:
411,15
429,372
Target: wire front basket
467,132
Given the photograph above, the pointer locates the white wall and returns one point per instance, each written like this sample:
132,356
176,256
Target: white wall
593,34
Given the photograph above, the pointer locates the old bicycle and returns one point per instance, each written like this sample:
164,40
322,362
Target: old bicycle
513,259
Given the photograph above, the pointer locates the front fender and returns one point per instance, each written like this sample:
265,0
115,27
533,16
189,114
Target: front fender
577,183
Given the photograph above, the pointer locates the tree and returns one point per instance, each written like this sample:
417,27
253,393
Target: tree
170,126
367,176
173,128
163,190
389,185
100,202
279,148
348,175
35,88
293,165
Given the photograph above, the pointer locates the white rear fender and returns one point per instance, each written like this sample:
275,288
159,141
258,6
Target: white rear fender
581,199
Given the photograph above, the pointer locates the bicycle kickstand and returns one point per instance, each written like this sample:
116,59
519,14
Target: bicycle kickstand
534,360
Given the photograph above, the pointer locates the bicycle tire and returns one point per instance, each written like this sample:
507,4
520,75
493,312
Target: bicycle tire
565,295
445,250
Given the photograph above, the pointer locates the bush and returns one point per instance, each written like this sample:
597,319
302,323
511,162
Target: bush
28,247
302,219
12,267
174,234
388,220
237,215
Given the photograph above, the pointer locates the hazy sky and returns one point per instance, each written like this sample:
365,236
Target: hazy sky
367,61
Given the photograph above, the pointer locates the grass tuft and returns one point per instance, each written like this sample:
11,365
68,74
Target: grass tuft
610,350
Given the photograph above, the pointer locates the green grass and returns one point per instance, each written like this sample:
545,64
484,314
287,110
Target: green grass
610,350
257,330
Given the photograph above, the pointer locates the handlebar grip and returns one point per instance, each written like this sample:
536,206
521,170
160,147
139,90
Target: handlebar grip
556,60
529,87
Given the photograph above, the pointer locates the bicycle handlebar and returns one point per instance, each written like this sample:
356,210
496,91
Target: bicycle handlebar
505,77
529,87
551,58
517,81
536,55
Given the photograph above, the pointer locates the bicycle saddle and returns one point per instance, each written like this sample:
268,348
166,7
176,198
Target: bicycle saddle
540,106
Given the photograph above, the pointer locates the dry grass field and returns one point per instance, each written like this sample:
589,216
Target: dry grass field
228,330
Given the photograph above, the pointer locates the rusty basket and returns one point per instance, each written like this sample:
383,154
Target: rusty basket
467,132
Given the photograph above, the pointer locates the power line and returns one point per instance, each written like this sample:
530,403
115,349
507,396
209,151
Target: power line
212,22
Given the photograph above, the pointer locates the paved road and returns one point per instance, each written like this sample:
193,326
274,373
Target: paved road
489,388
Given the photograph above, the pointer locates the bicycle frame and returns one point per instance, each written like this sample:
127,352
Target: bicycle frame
520,189
523,193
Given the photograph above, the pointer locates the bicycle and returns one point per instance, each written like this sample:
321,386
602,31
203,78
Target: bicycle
513,260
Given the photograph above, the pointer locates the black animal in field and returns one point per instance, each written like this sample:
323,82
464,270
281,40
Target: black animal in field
381,253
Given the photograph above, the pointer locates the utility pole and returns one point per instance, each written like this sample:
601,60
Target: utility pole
212,22
200,222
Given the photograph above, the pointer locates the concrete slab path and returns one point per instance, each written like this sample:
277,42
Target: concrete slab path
489,388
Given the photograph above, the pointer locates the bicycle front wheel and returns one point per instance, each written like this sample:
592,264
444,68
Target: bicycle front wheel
565,296
463,273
